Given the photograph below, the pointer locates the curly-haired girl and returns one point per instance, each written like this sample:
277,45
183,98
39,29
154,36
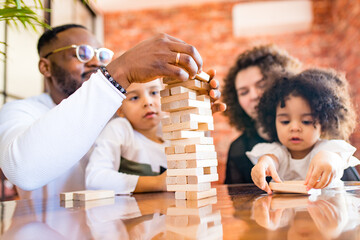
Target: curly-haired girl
243,87
303,115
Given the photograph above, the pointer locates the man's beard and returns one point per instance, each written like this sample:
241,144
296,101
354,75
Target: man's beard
67,84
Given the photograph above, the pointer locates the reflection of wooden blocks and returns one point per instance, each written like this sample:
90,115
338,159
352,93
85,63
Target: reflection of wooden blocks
291,187
180,203
284,201
94,194
189,187
94,203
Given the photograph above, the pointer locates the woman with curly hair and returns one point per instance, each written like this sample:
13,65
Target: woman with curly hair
308,117
242,89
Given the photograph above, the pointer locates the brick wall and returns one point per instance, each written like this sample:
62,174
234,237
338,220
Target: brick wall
333,41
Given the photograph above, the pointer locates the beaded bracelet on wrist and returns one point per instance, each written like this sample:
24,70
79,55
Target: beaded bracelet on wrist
111,80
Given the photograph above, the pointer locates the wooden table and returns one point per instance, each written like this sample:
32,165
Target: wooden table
238,212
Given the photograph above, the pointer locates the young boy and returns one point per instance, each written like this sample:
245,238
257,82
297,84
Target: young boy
129,154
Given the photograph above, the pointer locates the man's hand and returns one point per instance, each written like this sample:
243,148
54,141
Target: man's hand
264,167
156,58
215,94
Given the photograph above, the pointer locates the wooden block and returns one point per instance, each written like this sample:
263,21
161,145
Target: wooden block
181,180
94,194
203,76
166,121
203,98
170,150
180,195
179,90
292,187
192,156
169,80
165,93
185,172
183,105
191,84
196,140
175,118
179,149
201,163
197,111
199,148
205,126
180,126
210,170
189,187
65,196
197,118
177,97
187,134
170,180
200,195
177,164
204,178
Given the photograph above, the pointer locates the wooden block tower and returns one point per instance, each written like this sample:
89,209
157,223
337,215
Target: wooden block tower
191,158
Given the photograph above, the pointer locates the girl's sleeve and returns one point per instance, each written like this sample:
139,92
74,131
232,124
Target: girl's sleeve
341,147
261,149
104,162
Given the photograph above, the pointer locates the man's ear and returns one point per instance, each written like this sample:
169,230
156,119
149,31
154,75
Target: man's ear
45,67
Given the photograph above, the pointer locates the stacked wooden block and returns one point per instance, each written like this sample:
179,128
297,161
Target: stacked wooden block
194,220
191,158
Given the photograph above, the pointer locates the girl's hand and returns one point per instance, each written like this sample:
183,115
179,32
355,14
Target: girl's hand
264,167
324,167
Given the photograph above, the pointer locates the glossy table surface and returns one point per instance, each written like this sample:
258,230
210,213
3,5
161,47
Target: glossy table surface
237,212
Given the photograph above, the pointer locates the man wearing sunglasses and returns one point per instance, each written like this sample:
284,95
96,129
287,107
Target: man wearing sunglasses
44,140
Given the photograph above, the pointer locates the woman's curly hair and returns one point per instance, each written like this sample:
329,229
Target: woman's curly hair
327,94
269,58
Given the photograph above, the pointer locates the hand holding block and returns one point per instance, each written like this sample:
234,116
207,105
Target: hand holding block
292,187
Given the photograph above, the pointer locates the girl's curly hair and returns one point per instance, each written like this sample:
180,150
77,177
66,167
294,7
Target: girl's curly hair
327,94
269,58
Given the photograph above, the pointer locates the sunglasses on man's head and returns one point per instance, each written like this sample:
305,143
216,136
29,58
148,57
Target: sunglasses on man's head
85,53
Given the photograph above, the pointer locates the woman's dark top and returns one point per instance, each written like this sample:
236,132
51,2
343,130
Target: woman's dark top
238,166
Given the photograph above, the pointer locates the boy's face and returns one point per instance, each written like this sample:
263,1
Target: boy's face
295,127
250,84
142,105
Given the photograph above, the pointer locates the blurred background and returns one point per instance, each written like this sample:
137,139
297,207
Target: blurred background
322,33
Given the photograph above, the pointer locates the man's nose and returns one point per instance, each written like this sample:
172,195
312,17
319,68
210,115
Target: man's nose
94,62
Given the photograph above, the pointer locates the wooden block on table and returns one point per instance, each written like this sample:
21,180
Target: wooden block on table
170,180
292,187
180,195
192,156
180,126
199,148
175,119
200,195
66,196
94,194
179,149
196,140
179,90
189,187
177,164
177,97
203,178
184,105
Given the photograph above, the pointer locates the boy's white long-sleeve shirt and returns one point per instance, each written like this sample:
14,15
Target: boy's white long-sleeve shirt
41,144
120,155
